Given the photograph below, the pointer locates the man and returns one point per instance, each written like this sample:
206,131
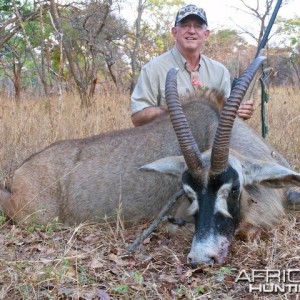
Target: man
196,71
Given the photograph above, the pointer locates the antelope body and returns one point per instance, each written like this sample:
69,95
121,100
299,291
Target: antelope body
100,177
95,178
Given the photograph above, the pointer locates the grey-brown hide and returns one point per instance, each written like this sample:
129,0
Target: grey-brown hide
96,178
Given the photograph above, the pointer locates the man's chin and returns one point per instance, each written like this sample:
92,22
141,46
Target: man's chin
192,48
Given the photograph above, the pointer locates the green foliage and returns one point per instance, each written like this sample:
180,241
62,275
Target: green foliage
30,37
181,290
226,37
138,278
289,30
121,289
226,270
48,228
96,49
156,23
2,218
34,31
83,275
6,7
200,289
289,34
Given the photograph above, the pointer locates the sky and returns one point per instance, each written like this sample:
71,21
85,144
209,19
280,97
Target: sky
222,13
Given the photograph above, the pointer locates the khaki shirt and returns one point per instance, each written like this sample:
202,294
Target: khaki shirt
150,87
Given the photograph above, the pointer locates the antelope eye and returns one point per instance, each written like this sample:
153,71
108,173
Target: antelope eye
235,189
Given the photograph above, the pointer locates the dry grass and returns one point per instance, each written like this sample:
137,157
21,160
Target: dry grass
90,261
283,119
34,124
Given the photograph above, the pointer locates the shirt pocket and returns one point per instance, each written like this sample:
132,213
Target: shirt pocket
183,91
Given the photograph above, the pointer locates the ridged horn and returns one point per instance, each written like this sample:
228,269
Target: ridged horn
220,150
187,143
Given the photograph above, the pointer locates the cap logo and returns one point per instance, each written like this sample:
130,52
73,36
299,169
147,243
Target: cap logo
191,10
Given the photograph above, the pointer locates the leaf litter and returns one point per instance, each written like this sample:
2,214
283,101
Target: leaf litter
90,262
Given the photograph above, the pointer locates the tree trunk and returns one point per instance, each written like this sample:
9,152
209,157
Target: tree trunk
17,81
136,48
28,46
43,60
85,101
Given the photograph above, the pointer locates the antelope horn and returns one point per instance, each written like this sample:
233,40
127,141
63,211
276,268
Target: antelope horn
220,150
187,143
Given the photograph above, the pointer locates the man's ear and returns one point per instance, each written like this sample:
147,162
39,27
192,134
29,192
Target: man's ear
270,174
171,165
174,32
207,33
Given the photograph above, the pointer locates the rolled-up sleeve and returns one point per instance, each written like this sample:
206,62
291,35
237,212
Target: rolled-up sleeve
226,84
145,92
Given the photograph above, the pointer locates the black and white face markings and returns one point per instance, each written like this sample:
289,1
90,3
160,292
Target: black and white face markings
215,203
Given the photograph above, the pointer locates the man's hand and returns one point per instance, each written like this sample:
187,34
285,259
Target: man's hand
246,109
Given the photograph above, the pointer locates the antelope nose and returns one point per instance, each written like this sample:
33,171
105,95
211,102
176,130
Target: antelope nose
194,263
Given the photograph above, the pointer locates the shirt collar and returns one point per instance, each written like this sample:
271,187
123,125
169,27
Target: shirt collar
180,60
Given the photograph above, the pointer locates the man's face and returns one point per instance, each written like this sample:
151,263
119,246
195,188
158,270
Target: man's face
190,34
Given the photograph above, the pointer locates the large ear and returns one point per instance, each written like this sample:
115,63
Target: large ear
171,165
270,174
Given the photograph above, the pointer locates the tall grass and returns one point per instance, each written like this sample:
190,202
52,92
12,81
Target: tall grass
31,125
283,120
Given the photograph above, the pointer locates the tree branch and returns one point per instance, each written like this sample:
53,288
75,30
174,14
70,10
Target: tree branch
6,35
137,242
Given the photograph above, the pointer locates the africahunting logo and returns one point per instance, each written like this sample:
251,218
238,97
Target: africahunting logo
271,281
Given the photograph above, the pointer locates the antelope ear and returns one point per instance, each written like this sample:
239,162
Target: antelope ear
171,165
270,174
